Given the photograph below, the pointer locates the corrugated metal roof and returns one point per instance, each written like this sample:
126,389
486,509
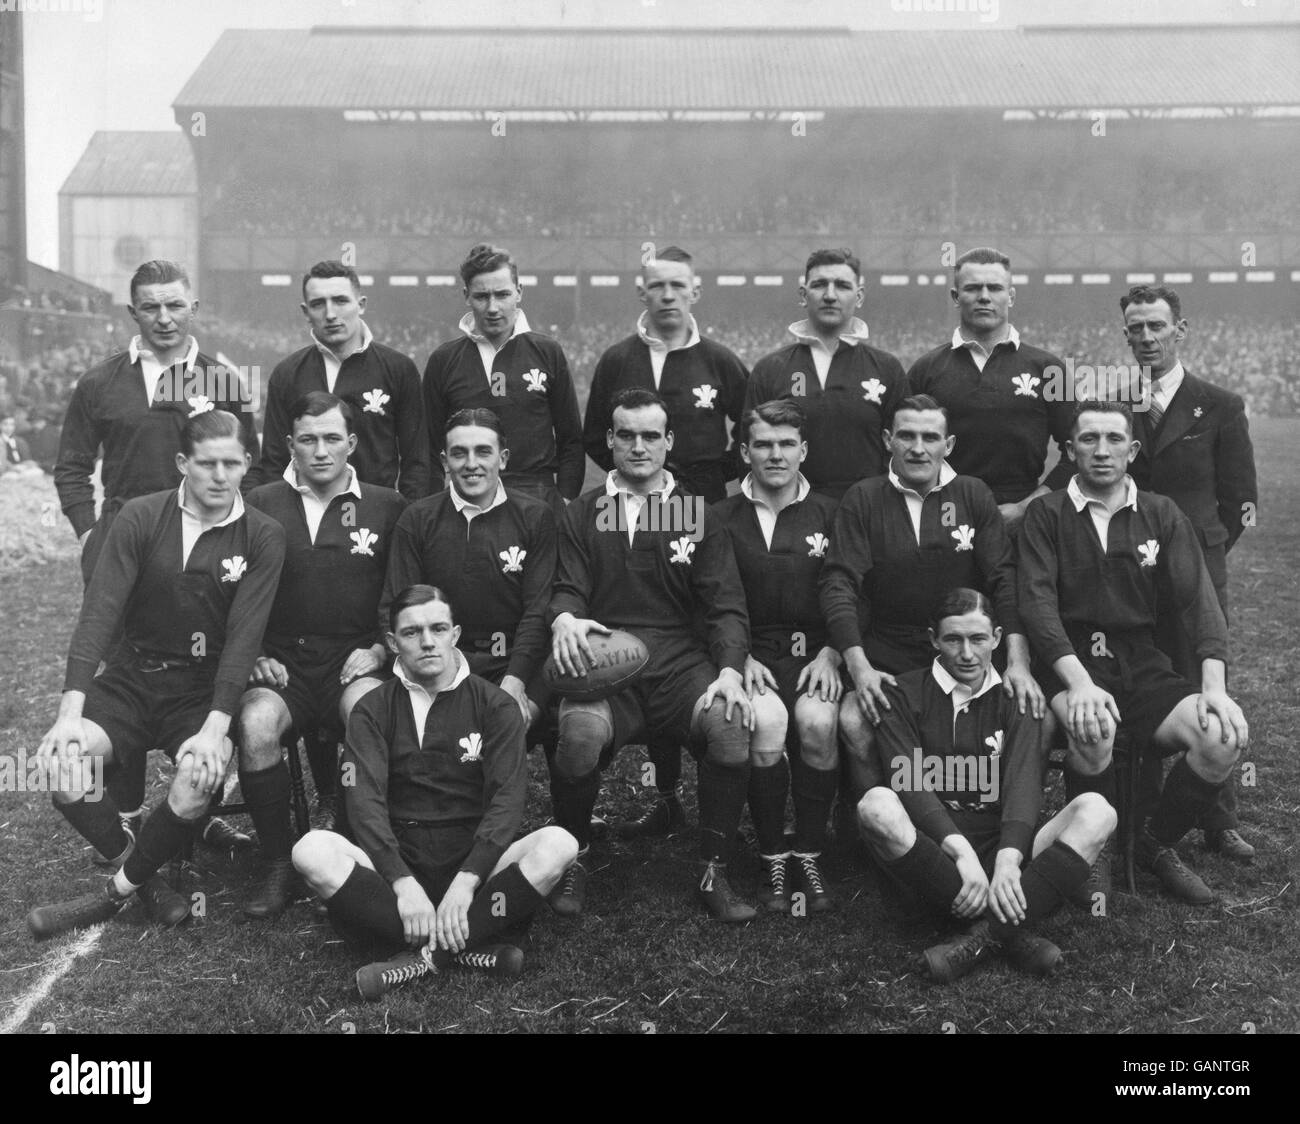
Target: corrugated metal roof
744,70
134,163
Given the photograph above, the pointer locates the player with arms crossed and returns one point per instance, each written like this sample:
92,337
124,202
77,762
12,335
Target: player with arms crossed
191,575
1092,558
501,364
846,388
440,782
628,559
956,819
780,530
320,653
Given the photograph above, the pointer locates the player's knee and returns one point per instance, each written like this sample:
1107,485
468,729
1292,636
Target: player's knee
856,735
353,693
771,723
556,849
1215,755
1091,757
817,724
312,853
881,814
586,730
726,742
1095,815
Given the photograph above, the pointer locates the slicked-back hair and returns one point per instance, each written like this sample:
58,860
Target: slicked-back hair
1149,294
919,402
480,416
317,402
779,411
957,603
637,398
330,268
839,256
980,255
208,426
416,595
675,253
1101,406
158,272
486,258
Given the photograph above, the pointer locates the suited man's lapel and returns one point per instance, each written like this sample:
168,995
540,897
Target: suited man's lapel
1181,415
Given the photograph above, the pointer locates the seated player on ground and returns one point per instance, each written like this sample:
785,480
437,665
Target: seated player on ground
638,554
1093,558
957,823
322,650
438,773
780,530
190,576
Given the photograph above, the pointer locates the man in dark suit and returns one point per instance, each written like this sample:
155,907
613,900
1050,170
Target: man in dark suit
1195,449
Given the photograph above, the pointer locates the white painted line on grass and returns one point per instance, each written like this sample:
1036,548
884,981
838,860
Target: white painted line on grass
83,944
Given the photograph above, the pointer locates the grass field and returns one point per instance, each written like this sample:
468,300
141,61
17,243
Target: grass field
644,958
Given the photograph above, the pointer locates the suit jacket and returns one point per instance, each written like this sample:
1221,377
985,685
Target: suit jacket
1202,459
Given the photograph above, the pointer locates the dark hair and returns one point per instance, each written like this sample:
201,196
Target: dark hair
317,402
1101,406
779,411
486,258
839,256
919,402
208,426
1149,294
957,603
981,255
638,398
158,272
480,416
416,595
673,253
326,269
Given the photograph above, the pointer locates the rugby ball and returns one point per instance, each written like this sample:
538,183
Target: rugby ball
620,660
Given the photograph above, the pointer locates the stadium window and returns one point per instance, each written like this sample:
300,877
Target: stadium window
276,279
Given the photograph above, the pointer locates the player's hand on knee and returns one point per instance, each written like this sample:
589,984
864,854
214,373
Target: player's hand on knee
1020,685
269,673
1093,714
821,678
757,677
974,894
361,661
1235,732
514,687
569,646
1006,896
418,914
870,692
67,739
208,755
451,928
729,688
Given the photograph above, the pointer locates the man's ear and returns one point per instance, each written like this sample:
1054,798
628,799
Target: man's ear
391,640
505,457
183,464
997,635
1069,451
948,444
934,640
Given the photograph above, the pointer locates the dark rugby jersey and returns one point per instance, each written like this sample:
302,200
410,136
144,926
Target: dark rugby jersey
1002,416
538,406
331,587
496,571
664,579
140,439
1071,589
989,728
879,587
469,771
383,388
214,608
704,386
845,420
781,582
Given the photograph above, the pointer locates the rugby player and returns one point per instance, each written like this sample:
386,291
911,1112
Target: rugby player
190,576
492,550
846,388
956,819
995,388
133,407
1091,559
639,554
440,782
320,653
1195,448
779,530
380,384
501,364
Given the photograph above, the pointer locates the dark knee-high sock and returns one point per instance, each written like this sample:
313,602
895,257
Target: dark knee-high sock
768,787
504,904
572,801
723,791
1185,798
666,756
163,837
323,761
1103,783
929,873
364,909
126,785
814,793
98,822
1046,882
266,792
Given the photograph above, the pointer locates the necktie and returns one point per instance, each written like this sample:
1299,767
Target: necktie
1156,411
